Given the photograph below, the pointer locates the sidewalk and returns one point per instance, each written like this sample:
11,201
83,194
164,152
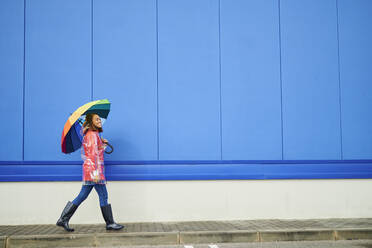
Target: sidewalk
169,233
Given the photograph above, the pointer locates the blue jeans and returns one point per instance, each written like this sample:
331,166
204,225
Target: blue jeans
86,189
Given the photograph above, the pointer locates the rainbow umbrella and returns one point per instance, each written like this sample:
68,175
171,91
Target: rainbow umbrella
72,135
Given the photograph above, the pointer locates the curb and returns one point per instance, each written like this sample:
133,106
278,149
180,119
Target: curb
296,235
201,237
153,238
175,238
349,234
47,241
2,241
92,240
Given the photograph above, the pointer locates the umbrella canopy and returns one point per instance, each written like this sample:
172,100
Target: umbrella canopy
71,134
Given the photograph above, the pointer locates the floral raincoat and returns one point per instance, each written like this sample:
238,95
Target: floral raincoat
92,153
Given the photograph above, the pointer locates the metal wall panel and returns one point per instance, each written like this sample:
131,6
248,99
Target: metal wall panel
11,79
58,72
310,84
124,71
250,73
355,32
189,84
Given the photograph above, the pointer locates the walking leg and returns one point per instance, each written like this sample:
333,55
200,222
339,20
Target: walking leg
106,208
71,207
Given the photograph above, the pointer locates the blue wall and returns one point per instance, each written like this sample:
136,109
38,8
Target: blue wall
200,89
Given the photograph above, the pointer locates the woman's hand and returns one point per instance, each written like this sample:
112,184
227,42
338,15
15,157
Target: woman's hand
104,141
96,176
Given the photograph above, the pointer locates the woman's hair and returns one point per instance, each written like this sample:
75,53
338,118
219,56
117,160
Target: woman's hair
88,123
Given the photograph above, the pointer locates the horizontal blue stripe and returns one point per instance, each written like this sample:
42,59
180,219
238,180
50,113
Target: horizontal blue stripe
12,171
167,162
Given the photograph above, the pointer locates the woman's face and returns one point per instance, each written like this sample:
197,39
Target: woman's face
97,121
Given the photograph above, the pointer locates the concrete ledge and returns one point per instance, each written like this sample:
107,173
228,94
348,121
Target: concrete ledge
270,236
47,241
348,234
218,237
2,241
144,238
173,238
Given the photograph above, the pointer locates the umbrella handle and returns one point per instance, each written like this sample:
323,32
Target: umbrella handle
112,148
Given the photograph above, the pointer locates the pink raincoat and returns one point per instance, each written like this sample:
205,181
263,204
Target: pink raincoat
92,154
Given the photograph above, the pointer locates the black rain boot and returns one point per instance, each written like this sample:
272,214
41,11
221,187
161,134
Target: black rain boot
107,215
67,213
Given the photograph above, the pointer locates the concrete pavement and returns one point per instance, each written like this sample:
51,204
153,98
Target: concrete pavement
174,233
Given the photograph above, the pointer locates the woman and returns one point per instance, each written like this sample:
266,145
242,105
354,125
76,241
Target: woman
93,174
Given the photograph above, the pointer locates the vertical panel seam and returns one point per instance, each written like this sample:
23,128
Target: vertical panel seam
220,79
24,79
281,79
339,78
91,52
157,78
